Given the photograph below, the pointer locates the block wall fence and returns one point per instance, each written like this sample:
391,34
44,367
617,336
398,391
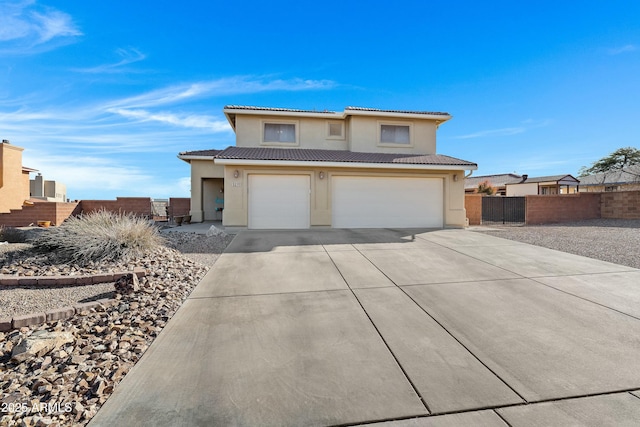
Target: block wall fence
179,206
549,209
57,212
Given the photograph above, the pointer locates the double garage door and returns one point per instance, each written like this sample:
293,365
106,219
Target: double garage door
283,201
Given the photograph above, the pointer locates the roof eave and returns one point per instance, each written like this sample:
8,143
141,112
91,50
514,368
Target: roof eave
187,157
440,118
329,164
231,113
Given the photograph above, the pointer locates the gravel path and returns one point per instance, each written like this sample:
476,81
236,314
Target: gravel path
612,240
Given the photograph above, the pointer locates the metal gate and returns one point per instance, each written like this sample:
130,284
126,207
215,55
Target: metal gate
503,210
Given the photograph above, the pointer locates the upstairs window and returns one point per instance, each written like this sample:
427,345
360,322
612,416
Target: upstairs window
335,130
395,134
280,133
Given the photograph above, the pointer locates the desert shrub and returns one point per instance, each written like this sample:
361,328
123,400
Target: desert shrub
12,235
99,236
485,187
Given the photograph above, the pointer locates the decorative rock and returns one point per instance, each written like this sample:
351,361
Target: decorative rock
40,342
116,339
127,284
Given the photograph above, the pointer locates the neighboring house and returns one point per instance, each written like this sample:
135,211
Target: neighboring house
556,184
358,168
620,180
499,182
50,191
14,178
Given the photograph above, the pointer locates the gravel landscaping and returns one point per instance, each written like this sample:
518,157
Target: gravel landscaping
59,374
612,240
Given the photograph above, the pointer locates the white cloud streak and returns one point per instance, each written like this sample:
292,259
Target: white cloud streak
622,49
185,120
128,56
219,87
508,131
26,28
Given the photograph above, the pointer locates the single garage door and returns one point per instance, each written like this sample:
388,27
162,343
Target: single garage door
376,202
279,201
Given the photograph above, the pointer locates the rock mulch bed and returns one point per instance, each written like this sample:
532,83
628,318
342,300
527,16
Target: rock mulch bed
60,373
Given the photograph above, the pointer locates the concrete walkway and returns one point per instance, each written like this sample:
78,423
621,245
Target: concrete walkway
394,328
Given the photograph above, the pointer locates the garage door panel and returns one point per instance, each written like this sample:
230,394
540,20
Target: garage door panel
374,202
279,201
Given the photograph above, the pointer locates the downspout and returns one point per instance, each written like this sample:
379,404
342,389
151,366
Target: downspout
470,173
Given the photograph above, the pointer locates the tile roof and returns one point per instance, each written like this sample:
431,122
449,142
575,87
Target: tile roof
287,110
395,111
346,110
315,155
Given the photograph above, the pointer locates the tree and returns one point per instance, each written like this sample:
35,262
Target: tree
485,187
619,160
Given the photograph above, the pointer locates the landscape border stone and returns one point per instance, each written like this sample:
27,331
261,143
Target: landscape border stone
6,280
17,322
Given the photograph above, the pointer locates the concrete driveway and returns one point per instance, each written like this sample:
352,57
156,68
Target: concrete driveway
396,328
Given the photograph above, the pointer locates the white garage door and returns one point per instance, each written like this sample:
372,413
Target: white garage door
279,201
375,202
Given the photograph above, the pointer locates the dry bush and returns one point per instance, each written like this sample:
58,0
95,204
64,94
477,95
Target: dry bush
99,236
12,235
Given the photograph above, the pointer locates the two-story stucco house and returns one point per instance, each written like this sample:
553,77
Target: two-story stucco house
360,168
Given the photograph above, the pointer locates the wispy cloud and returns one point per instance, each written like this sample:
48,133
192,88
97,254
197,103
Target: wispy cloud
622,49
127,146
525,126
127,56
493,132
219,87
184,120
26,27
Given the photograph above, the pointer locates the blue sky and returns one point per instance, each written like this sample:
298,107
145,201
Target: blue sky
103,95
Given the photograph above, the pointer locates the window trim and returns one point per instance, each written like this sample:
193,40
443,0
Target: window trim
296,125
395,144
342,129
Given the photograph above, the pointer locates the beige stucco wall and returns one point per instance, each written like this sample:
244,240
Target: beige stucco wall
200,170
14,183
312,132
518,190
361,134
236,196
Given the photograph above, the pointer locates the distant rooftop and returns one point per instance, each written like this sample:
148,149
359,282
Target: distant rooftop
551,178
630,174
499,180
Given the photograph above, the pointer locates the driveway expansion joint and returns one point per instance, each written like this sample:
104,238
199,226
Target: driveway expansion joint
404,372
